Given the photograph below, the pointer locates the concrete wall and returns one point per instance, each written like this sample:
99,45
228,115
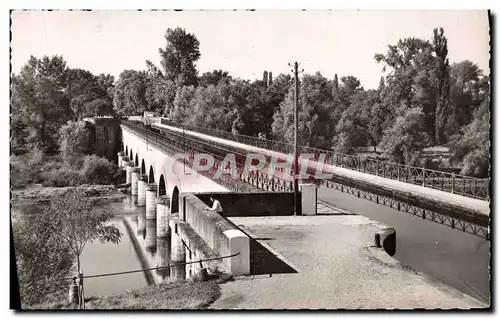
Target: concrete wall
253,204
219,234
197,250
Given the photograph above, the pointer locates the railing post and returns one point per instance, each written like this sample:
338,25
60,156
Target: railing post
452,182
423,176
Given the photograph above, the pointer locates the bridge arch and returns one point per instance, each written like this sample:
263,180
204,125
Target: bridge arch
143,167
126,150
151,178
131,155
136,160
174,201
162,187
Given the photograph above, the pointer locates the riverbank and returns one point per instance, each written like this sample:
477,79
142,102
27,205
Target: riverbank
37,194
185,295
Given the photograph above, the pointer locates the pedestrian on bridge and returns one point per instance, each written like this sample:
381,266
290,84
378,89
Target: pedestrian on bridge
216,206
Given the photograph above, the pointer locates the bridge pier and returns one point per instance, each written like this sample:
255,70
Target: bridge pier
150,201
120,158
141,190
178,256
129,166
134,180
151,236
125,160
162,216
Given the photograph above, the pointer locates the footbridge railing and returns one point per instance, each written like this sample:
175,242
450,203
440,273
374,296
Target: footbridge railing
444,181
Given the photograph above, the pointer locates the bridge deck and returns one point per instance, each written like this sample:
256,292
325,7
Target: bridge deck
478,206
336,267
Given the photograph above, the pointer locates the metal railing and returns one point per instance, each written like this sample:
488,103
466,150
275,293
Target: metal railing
439,180
177,143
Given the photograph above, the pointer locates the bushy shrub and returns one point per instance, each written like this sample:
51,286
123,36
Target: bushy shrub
62,177
25,169
74,140
98,170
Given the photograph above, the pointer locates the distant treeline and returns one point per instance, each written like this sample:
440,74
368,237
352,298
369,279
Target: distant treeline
422,101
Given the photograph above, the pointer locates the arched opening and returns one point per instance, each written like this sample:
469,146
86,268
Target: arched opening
175,201
126,150
131,155
151,178
162,189
136,160
143,167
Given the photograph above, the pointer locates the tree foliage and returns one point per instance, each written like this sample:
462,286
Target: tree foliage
179,56
40,103
130,93
42,259
72,220
75,140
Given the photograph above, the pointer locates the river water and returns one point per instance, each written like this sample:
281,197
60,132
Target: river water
138,249
458,259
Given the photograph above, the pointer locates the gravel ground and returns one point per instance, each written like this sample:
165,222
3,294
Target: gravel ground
336,269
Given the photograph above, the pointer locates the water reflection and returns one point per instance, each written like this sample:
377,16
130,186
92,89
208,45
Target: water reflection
151,236
141,225
146,243
163,257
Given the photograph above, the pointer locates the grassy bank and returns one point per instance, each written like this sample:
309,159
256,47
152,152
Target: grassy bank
38,194
174,295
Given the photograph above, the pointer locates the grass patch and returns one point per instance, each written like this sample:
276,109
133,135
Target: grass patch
186,295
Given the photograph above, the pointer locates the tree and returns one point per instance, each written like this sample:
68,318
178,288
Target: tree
71,218
179,56
75,140
468,88
183,104
265,78
315,113
472,148
335,84
43,260
40,102
213,107
90,95
270,79
399,87
130,93
214,77
442,71
406,139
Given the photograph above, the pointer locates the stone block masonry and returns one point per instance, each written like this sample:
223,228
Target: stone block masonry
134,180
141,190
151,201
162,212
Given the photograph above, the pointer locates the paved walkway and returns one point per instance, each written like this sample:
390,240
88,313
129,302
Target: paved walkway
336,269
479,206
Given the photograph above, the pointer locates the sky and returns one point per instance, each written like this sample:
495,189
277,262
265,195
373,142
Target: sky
245,43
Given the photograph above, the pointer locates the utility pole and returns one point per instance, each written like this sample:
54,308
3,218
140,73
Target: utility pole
296,142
